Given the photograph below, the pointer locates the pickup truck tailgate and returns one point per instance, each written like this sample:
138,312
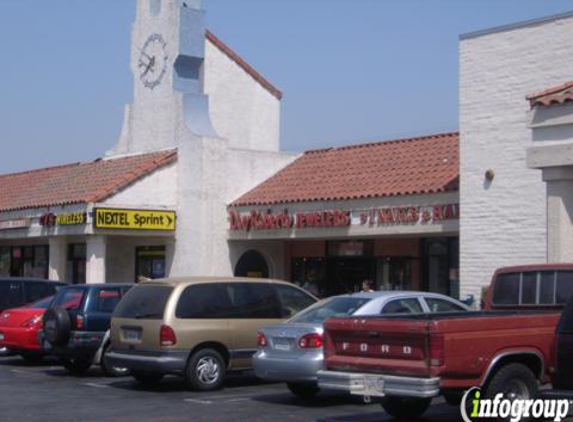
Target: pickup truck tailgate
391,346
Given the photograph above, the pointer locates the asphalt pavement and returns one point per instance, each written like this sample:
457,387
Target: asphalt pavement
46,392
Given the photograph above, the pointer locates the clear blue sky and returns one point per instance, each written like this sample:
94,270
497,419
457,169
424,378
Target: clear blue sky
351,70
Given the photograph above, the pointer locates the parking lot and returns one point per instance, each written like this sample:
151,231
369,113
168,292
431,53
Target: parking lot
46,392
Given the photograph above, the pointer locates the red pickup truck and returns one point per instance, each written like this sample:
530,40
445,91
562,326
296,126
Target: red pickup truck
410,359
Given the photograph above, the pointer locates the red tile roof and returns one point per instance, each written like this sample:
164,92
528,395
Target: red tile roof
427,164
77,183
557,95
243,64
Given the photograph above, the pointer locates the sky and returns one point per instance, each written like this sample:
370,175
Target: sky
351,70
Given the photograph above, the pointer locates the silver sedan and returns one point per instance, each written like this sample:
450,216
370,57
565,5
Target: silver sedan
292,351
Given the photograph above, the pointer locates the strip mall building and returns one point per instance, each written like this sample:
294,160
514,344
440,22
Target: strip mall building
197,184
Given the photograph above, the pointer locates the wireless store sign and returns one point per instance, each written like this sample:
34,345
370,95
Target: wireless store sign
128,219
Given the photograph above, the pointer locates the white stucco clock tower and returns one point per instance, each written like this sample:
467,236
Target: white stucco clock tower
167,61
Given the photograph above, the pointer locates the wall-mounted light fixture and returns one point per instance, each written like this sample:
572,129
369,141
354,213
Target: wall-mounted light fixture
489,175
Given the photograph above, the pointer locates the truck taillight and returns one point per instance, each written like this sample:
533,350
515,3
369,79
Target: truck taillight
310,341
436,349
167,336
80,322
261,340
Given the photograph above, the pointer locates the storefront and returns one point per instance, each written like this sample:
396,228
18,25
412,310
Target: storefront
397,230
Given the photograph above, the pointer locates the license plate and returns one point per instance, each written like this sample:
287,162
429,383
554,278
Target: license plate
282,344
131,334
373,386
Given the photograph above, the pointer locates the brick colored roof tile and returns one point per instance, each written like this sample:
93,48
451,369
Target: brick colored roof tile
556,95
427,164
78,182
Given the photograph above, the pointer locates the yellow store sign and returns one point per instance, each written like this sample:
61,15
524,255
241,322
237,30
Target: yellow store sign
113,218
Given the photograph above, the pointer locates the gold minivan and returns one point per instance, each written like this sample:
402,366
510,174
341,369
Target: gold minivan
197,327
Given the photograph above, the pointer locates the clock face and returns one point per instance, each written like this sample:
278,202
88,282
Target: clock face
152,63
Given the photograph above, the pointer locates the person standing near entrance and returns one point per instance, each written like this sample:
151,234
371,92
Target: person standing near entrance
367,286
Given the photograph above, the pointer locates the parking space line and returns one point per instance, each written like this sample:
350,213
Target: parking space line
211,399
96,385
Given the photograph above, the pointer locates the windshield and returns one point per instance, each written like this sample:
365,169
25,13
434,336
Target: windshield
330,308
41,304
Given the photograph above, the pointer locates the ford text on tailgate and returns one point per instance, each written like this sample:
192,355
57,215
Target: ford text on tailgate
392,346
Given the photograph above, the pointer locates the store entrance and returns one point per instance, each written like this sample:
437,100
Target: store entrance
346,274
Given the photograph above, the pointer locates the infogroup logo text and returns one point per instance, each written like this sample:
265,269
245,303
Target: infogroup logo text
515,410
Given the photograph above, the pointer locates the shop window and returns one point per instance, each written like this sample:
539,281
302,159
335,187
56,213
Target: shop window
309,273
5,261
76,267
26,261
393,273
150,262
252,264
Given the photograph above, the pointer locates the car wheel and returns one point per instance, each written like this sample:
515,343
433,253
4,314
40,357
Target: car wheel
57,326
146,377
305,391
109,370
515,381
77,365
32,357
206,370
4,351
405,407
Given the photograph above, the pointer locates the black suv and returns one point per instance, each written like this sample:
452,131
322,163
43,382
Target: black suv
76,325
16,292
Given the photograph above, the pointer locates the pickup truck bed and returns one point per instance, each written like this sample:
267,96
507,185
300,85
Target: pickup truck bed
423,356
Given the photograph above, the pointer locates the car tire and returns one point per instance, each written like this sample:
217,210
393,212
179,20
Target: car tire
405,407
32,357
77,365
147,377
109,370
4,351
206,370
57,326
514,381
305,391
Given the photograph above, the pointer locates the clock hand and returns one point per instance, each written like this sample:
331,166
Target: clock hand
149,66
145,54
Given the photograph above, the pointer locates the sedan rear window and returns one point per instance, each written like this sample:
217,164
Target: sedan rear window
144,301
330,308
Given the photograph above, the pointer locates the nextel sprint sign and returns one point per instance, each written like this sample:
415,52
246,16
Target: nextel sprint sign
115,218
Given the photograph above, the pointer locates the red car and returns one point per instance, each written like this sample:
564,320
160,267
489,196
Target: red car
19,329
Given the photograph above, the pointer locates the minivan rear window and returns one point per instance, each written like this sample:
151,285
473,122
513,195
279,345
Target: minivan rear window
144,301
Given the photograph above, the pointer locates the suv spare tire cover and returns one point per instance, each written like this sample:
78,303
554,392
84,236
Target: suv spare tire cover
57,325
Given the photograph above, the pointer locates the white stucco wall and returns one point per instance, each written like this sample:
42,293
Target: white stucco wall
247,169
242,110
156,189
504,222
